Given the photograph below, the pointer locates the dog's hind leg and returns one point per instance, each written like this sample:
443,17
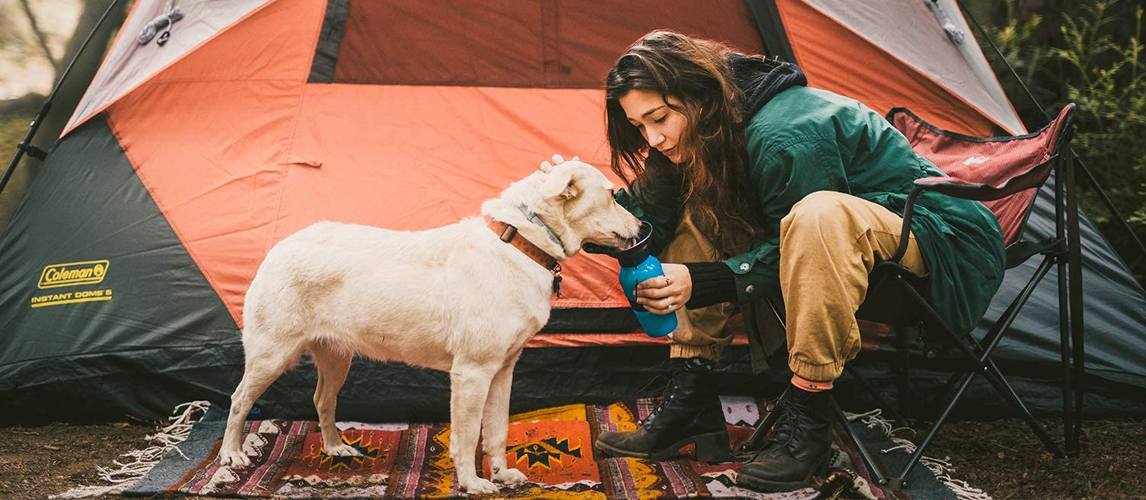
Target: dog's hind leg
332,366
495,426
265,361
469,387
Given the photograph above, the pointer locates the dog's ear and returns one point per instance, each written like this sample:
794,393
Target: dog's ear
559,183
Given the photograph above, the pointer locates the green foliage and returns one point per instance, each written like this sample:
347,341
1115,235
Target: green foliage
1096,60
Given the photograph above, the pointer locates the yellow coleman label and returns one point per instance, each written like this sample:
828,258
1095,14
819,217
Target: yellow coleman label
72,274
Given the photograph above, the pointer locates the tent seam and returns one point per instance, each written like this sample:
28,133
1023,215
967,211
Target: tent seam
784,18
100,70
237,342
979,47
166,216
110,103
289,145
919,71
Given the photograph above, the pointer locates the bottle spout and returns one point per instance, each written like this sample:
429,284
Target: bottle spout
630,255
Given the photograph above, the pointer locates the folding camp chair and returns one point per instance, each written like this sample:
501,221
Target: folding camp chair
1004,173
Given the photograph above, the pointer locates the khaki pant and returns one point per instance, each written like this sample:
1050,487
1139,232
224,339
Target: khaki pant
829,243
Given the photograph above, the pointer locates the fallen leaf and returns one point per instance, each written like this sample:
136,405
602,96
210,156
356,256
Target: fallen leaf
1002,455
50,447
121,425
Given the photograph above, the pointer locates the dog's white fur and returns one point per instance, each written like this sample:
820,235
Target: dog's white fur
455,298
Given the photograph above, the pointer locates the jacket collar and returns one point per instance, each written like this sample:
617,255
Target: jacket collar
761,79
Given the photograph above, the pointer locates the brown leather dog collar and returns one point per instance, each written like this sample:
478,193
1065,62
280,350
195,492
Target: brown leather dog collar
508,234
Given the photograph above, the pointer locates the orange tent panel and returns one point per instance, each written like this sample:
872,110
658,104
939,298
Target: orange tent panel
887,82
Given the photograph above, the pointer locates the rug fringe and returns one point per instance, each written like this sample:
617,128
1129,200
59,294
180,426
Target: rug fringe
123,475
942,469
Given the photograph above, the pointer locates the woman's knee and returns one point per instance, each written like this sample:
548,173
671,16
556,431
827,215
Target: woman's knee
818,210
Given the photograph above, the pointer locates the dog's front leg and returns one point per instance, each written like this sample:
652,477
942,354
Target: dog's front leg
495,426
469,386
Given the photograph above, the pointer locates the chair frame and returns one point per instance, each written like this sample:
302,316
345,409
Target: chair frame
1064,250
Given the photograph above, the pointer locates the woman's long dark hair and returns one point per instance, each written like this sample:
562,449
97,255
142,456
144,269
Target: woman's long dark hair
714,166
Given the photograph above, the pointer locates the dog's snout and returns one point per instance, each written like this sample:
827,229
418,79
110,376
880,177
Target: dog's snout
634,228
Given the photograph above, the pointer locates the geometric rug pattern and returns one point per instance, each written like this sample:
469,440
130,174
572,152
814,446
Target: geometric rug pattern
553,447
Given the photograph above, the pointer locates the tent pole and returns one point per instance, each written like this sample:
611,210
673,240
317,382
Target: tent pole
1078,159
25,146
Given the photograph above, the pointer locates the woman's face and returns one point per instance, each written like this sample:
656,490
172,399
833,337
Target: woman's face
659,124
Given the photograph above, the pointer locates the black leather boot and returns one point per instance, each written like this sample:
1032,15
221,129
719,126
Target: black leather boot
690,413
798,448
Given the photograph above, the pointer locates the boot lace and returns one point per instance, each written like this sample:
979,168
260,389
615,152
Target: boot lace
669,391
666,395
784,432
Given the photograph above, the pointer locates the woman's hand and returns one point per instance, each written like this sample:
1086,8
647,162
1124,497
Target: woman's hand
667,293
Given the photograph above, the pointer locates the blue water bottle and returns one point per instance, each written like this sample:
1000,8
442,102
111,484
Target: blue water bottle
637,266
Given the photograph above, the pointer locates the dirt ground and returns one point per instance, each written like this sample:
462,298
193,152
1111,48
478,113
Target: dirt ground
1002,458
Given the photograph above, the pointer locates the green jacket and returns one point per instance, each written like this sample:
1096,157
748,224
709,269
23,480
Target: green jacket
805,140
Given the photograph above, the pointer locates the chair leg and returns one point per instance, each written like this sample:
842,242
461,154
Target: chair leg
879,399
752,444
906,394
983,363
878,473
1074,256
996,378
901,479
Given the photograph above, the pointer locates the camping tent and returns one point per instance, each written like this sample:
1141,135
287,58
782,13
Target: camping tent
126,264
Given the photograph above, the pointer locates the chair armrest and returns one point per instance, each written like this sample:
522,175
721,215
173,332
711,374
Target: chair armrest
908,210
959,188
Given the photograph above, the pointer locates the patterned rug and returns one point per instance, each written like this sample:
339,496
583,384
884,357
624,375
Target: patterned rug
553,447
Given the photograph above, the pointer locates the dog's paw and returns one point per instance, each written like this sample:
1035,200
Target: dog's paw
509,477
341,450
478,486
234,458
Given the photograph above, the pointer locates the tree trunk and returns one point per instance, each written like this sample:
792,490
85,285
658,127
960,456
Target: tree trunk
84,70
69,95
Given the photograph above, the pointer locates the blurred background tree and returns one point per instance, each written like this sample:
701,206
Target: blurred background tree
1084,51
1088,52
38,38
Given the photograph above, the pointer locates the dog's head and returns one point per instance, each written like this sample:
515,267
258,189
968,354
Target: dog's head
577,203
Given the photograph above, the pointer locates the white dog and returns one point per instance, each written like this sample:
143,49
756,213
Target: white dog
457,298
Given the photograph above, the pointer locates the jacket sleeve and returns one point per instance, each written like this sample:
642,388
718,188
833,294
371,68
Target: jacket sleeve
661,208
787,173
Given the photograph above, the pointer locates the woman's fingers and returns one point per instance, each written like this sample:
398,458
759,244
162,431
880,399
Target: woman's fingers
659,300
661,306
658,283
655,293
659,295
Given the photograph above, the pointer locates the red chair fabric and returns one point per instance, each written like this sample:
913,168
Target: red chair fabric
1015,166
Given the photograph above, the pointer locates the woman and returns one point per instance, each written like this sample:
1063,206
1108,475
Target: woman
760,187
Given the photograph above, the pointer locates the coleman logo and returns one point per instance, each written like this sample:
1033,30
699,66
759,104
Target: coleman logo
73,273
976,160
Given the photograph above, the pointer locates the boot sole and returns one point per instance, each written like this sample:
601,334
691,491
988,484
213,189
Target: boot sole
710,447
766,486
